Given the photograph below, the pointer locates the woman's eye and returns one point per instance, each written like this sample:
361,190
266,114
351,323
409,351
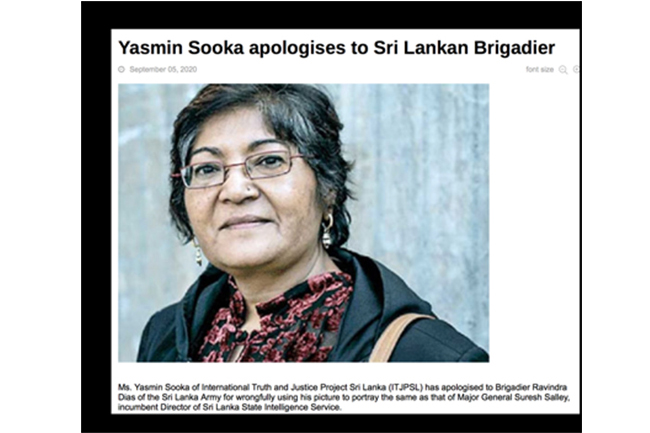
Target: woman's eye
271,161
204,170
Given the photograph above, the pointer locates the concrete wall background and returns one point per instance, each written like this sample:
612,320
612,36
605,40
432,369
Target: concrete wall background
421,180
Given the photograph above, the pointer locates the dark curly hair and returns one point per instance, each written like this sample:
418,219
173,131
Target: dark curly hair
300,114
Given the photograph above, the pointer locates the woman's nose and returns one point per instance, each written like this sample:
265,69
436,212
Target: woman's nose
237,186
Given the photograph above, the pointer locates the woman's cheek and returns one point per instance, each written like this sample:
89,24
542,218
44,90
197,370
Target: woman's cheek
199,210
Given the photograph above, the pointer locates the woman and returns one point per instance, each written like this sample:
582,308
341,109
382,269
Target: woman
259,186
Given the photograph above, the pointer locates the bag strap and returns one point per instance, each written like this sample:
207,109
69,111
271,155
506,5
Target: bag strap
388,340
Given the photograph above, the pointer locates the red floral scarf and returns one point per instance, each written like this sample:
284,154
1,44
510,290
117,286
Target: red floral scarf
300,325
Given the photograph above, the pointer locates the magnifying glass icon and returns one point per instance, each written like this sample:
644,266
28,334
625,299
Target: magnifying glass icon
563,70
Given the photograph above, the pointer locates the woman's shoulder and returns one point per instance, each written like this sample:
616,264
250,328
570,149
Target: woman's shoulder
159,336
159,341
381,296
162,318
429,340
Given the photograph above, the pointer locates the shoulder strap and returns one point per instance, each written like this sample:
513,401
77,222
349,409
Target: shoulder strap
388,340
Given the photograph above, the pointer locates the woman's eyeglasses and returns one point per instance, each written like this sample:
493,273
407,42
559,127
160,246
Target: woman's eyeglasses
259,166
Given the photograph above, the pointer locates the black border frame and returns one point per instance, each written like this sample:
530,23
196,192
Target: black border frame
98,19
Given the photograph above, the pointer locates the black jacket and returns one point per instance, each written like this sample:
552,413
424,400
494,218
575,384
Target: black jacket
379,296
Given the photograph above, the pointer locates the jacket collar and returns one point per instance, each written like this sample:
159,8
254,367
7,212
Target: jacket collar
378,298
196,310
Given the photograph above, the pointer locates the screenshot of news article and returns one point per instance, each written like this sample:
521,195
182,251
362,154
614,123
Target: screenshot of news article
465,177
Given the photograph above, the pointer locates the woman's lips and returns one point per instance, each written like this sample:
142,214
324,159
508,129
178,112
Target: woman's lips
241,226
243,222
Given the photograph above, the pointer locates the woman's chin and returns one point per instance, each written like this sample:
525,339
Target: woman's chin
249,258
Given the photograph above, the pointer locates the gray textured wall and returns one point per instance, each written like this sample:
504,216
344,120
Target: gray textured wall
420,178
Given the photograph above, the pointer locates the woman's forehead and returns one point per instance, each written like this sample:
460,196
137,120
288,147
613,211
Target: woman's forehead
239,131
235,124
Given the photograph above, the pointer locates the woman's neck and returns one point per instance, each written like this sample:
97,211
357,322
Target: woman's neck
264,286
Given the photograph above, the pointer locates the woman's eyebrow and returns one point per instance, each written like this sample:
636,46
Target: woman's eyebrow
257,143
251,147
213,150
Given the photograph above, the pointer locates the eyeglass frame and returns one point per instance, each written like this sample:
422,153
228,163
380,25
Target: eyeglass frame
248,175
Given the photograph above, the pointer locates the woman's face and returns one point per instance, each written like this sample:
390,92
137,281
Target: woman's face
245,225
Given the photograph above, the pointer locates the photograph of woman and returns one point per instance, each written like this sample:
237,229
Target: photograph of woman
260,189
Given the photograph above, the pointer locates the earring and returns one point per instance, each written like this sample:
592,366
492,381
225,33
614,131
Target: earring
198,257
327,239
